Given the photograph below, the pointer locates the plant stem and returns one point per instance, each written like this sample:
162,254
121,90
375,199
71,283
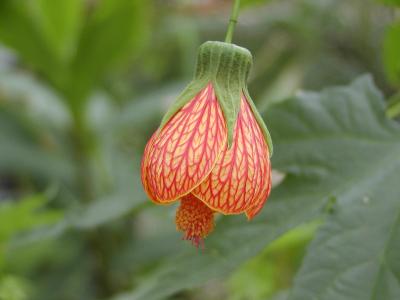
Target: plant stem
232,21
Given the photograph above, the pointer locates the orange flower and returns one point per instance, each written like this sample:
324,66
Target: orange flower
206,155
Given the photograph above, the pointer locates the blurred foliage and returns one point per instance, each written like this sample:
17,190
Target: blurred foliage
83,84
390,2
13,288
391,53
274,268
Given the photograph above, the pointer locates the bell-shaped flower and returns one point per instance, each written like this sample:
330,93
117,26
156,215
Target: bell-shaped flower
212,150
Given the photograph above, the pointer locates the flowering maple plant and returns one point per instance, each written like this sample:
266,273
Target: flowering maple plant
212,150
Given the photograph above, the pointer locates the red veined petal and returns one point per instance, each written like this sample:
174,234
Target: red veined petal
258,205
240,178
183,153
144,168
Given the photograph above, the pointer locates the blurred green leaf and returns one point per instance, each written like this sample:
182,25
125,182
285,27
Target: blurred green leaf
59,23
393,107
13,288
283,295
274,268
43,32
20,157
127,197
97,213
390,2
24,214
114,32
74,54
32,98
25,149
137,115
103,210
19,32
343,135
391,50
355,255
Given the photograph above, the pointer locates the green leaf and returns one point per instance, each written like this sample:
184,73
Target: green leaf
391,50
390,2
23,215
43,32
27,150
19,31
126,198
356,254
343,135
59,23
393,106
263,275
97,213
323,142
26,214
234,241
72,53
13,288
114,32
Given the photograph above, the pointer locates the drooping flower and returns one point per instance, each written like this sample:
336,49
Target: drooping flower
212,150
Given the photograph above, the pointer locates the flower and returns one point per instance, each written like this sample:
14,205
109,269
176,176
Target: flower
212,150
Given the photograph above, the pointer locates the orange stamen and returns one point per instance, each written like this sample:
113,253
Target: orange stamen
195,219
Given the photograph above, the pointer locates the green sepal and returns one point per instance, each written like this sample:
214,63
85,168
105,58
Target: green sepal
227,67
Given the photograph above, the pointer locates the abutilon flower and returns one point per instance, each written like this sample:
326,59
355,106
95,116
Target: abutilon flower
212,150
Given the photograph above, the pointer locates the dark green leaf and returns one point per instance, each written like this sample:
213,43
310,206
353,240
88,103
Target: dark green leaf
355,254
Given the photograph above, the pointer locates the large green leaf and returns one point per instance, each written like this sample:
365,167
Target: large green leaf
356,254
333,144
343,137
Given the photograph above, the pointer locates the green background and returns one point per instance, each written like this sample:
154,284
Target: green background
84,83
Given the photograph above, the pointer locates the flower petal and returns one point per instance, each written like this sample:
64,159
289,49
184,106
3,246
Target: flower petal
184,151
259,203
240,178
144,167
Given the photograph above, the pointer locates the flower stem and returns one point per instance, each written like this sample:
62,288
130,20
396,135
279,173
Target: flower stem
232,21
